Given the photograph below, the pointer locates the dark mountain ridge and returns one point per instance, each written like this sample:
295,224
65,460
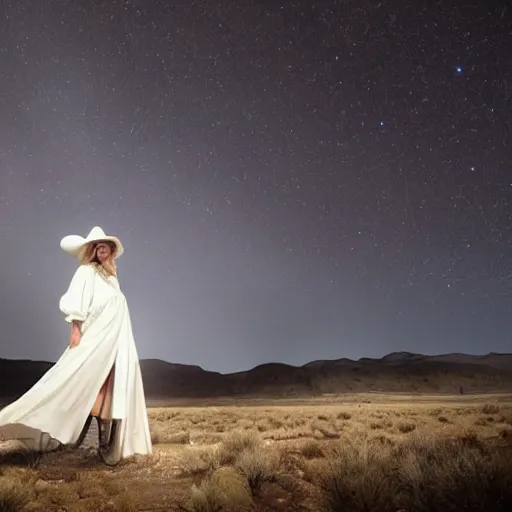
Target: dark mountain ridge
395,372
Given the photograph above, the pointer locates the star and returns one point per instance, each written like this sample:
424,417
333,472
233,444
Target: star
256,156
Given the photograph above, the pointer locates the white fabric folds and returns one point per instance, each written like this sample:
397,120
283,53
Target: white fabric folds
53,412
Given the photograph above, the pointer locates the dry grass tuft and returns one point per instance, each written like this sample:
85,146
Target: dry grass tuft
199,461
163,436
24,476
258,466
505,433
424,475
224,491
237,442
125,503
354,478
406,427
16,454
244,450
452,475
491,409
13,497
312,450
179,438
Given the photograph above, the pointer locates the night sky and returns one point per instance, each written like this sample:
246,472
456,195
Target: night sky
291,180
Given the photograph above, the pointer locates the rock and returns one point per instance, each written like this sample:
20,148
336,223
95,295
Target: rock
41,485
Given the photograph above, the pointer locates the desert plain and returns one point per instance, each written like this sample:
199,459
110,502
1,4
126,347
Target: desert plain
351,452
403,433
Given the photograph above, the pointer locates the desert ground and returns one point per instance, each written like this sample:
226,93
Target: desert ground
363,452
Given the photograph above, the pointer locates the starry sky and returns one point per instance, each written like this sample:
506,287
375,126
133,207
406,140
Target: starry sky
291,180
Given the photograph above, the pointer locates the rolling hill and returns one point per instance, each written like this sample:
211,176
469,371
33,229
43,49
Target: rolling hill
397,372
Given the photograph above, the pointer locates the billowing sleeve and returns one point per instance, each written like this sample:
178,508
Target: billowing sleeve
76,301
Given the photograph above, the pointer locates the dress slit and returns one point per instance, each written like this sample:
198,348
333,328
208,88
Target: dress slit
102,407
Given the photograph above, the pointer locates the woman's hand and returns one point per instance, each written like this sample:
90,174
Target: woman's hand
76,335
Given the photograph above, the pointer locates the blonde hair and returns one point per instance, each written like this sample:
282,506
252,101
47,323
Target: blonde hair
88,256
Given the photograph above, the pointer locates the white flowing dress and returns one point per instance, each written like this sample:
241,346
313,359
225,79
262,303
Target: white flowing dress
53,412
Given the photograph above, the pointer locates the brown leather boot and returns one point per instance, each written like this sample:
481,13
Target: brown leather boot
84,431
104,427
105,450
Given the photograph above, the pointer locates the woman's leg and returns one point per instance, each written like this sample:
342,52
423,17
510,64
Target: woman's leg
103,404
102,409
106,406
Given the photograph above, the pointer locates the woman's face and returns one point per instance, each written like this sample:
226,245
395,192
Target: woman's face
103,251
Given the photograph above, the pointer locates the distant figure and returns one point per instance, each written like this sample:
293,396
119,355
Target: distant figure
98,376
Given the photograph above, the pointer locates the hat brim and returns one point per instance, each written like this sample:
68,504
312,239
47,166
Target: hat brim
74,245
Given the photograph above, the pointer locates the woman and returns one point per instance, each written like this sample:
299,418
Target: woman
98,376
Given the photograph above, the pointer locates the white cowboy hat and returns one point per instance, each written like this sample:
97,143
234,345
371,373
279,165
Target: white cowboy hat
73,244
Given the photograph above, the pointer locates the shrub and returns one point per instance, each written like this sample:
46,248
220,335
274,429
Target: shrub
405,427
421,474
358,478
155,437
13,498
312,450
225,490
197,462
159,435
237,442
451,475
125,503
180,438
491,409
258,466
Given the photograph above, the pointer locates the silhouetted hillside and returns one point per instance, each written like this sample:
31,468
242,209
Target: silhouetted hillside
396,372
18,375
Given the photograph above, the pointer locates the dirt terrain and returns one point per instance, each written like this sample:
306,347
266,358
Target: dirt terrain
282,455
